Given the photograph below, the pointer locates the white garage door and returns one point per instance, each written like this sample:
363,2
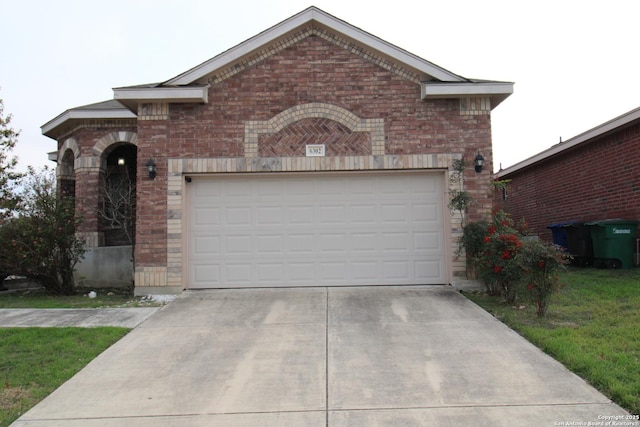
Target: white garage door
280,229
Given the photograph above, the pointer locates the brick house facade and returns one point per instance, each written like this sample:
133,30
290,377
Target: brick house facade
591,177
312,79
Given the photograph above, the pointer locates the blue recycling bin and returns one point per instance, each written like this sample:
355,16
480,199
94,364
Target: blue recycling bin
559,233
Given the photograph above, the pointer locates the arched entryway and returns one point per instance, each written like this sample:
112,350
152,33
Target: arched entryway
117,208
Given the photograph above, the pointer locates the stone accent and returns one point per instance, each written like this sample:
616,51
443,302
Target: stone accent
150,276
113,138
87,164
472,106
155,111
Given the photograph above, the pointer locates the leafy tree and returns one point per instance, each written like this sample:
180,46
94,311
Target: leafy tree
40,242
9,178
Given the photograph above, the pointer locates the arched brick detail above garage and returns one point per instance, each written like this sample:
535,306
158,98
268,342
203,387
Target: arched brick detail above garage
341,131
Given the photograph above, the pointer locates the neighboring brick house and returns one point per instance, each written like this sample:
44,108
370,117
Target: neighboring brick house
591,177
311,154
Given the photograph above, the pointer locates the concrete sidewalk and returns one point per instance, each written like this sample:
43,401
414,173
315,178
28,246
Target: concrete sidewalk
81,317
367,356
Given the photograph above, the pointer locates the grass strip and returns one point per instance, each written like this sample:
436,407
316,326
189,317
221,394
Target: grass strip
36,361
591,327
39,298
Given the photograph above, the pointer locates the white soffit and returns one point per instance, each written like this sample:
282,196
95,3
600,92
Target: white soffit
497,91
302,18
86,114
603,129
197,94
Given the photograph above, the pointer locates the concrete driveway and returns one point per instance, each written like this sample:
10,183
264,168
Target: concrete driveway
365,356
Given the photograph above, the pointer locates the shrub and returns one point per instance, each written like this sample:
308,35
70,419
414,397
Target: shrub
509,260
499,269
40,243
541,262
472,244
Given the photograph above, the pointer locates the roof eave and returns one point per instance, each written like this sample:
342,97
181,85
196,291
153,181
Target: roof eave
597,132
302,18
132,96
49,128
497,91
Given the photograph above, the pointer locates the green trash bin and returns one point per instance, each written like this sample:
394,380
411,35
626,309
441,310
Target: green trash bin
613,242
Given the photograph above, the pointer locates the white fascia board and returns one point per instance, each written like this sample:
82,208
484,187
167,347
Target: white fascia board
311,14
171,94
87,115
455,90
591,134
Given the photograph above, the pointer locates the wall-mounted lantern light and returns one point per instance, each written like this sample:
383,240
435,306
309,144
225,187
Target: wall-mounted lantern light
478,163
151,167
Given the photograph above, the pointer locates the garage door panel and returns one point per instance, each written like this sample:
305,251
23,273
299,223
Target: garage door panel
426,212
396,270
332,270
270,244
363,243
205,275
394,213
428,241
301,272
300,243
300,215
332,243
206,245
207,216
238,245
316,229
427,270
396,242
269,215
331,214
363,214
238,216
238,272
365,270
271,272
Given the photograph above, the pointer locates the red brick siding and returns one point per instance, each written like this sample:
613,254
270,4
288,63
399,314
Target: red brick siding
596,180
151,219
313,70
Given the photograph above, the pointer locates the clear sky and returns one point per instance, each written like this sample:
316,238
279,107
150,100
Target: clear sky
575,63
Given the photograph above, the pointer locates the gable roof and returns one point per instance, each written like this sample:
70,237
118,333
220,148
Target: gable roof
435,81
627,119
323,19
192,85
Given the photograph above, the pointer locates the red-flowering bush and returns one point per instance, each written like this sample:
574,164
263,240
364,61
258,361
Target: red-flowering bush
511,261
502,244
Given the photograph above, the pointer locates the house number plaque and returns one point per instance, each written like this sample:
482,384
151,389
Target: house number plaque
315,150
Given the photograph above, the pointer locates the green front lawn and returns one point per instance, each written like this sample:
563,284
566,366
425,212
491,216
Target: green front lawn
592,327
39,298
36,361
